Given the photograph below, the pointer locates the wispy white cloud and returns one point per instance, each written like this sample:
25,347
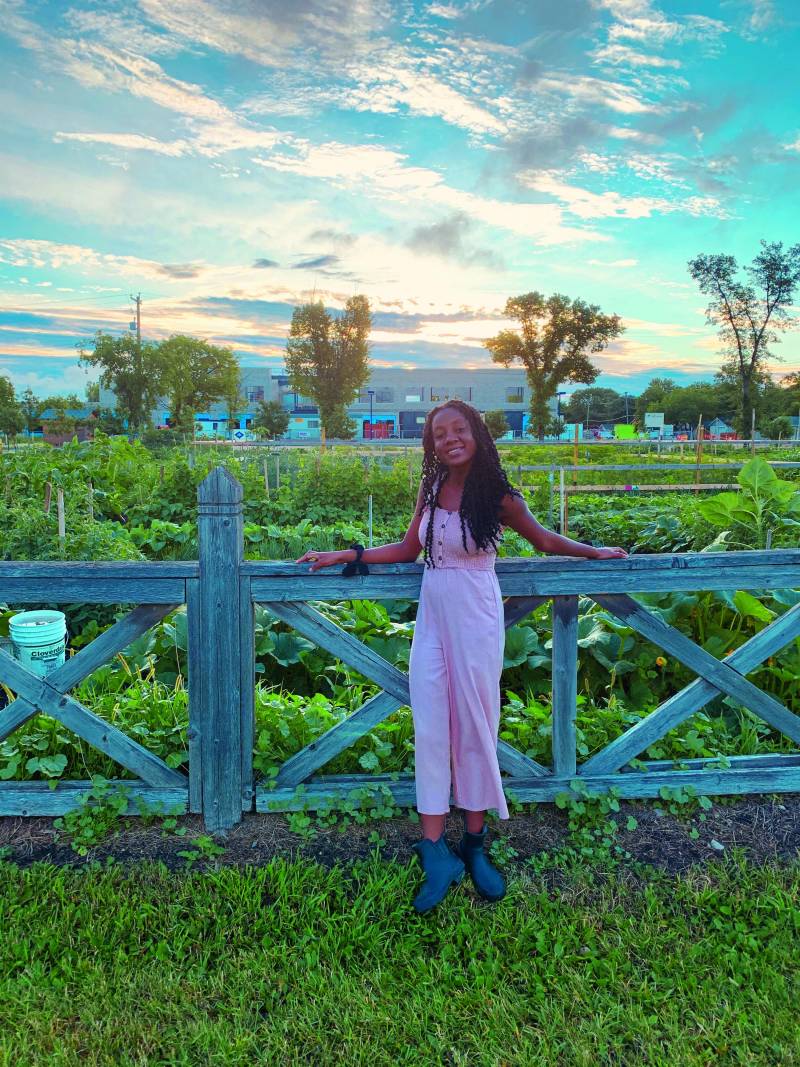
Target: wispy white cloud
384,173
391,87
589,205
122,30
614,264
128,141
620,54
661,30
763,16
54,255
624,99
270,32
100,67
214,128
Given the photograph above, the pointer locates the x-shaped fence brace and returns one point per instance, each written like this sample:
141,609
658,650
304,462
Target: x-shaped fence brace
311,624
715,677
50,695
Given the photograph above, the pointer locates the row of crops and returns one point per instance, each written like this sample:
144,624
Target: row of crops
121,501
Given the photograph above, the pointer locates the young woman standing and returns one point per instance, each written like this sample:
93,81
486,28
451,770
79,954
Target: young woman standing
464,502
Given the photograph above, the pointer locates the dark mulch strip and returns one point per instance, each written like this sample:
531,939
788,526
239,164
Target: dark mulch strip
766,828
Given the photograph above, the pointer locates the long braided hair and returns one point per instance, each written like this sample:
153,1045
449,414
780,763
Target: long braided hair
485,486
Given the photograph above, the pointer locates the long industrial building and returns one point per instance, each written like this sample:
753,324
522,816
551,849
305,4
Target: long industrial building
393,403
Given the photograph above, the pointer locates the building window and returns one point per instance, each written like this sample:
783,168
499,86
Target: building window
514,394
313,424
440,393
255,392
415,397
379,396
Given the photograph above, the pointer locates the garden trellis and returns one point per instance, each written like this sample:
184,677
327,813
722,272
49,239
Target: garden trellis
221,591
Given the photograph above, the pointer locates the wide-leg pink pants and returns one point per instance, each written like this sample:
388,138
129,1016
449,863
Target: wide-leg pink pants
454,676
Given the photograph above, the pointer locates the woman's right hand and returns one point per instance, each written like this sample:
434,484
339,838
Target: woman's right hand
324,559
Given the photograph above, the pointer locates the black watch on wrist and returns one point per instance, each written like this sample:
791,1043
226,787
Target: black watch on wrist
355,566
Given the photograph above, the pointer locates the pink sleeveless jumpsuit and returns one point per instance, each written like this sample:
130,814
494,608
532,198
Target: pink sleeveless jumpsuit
454,674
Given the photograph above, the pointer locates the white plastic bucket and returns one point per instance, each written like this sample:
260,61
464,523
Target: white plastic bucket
39,640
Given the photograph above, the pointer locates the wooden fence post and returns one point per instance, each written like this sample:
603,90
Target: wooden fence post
218,646
565,684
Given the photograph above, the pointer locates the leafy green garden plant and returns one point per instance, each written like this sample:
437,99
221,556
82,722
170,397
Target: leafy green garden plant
764,513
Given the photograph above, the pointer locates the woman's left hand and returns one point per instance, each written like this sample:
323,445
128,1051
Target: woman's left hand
611,553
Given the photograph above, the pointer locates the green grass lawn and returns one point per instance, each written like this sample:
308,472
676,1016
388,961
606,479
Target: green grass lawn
296,963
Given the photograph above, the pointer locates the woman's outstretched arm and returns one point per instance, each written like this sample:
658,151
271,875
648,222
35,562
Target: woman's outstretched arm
515,514
405,551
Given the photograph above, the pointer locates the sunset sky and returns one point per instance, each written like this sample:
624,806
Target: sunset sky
229,160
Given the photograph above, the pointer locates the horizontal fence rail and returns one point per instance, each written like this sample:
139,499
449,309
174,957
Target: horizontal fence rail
221,591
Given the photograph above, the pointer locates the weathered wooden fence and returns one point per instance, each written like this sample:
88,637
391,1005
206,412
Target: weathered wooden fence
221,591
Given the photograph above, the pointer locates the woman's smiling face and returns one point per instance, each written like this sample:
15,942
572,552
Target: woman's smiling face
452,438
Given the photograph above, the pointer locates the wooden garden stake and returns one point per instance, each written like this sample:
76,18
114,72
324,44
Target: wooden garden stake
277,470
698,450
265,464
753,431
561,500
62,532
575,456
48,494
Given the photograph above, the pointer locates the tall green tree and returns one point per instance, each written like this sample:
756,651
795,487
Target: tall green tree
790,386
749,314
272,418
327,358
340,425
61,402
133,371
194,375
12,420
653,398
553,343
685,404
496,423
596,405
32,407
235,402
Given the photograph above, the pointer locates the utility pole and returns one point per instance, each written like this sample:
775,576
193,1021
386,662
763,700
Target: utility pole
138,301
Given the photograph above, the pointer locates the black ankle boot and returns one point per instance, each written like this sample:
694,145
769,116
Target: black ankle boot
488,881
442,869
